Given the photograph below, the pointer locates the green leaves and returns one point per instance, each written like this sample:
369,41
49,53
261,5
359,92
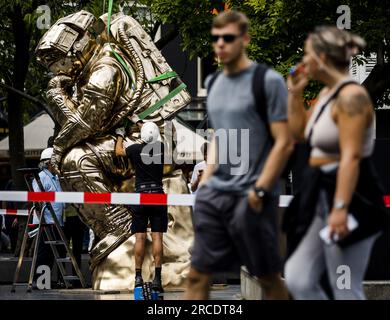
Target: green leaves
278,27
191,18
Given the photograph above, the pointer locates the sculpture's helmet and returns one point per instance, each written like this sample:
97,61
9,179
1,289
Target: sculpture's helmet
68,45
149,132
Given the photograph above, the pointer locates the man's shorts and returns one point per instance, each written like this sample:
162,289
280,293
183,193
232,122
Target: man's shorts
156,215
228,234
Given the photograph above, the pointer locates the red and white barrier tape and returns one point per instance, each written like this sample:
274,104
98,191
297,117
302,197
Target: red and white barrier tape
109,198
115,198
100,198
13,212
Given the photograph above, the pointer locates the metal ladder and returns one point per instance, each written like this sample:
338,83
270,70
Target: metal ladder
51,240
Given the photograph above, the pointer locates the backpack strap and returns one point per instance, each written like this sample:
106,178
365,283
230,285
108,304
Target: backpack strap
258,89
322,108
258,82
214,77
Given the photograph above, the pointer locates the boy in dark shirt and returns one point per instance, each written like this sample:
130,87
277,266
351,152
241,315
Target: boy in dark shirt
147,159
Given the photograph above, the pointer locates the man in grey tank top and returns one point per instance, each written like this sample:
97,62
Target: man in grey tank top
235,219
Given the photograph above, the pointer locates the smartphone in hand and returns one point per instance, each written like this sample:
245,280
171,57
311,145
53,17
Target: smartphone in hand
352,224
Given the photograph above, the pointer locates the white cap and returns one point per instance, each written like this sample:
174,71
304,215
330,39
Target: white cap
149,132
46,154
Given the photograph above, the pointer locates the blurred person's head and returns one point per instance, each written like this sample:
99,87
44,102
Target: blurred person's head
230,37
204,150
328,50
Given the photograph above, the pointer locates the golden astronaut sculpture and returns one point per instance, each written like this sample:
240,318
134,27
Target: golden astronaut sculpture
103,76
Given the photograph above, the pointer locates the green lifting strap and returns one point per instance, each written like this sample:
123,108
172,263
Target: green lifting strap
161,102
117,56
166,75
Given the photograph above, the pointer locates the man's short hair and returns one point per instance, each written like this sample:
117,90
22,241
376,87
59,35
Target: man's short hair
228,17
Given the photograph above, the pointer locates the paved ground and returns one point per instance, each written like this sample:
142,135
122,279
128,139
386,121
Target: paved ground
219,292
8,264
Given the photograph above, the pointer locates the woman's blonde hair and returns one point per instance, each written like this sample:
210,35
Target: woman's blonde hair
337,44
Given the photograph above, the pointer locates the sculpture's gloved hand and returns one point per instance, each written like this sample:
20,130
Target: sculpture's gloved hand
61,81
120,132
55,161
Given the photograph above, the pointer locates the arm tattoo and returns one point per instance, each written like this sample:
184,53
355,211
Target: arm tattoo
354,104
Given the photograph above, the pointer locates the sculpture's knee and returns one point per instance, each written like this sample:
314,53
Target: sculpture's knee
79,160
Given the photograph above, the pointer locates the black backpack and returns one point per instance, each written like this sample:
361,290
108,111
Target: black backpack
260,102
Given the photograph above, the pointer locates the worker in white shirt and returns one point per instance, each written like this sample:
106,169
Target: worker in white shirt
198,169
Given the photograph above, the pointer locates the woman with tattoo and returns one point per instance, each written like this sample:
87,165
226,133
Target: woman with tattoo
341,186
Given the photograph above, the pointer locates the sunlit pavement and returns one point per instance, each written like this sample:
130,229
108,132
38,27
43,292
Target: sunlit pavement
219,292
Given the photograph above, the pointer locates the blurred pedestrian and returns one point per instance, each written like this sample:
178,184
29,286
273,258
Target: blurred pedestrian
341,182
5,243
235,218
10,221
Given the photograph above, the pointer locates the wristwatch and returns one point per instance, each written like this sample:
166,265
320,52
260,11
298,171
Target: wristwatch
339,204
261,192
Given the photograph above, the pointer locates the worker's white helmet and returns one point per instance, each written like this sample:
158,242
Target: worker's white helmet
46,154
149,132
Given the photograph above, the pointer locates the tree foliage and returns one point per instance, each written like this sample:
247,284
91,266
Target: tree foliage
279,28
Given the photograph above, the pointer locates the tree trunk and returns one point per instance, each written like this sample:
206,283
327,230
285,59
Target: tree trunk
15,109
32,99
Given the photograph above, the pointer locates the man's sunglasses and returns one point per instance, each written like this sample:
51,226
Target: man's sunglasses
227,38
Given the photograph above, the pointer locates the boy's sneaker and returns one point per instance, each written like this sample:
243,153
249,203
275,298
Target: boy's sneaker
138,281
